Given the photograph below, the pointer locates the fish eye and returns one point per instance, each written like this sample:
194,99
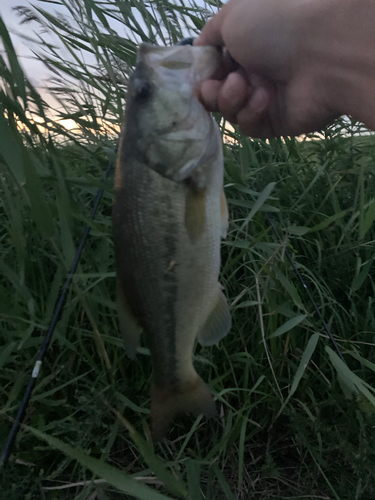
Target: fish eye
143,90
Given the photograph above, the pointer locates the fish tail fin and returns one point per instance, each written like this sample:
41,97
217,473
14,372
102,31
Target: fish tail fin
193,397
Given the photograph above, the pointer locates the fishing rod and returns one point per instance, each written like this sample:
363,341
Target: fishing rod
56,314
190,41
51,328
306,288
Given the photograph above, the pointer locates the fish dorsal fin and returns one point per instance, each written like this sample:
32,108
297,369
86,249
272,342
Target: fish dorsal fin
129,327
218,323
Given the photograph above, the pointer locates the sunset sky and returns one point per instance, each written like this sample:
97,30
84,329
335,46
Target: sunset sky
35,71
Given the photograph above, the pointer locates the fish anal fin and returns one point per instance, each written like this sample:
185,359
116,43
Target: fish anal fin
193,397
129,327
218,323
224,215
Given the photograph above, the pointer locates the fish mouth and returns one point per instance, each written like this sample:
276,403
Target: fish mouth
198,63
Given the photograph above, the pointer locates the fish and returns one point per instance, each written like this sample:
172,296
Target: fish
169,216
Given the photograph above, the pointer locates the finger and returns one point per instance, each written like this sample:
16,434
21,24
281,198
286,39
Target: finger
208,94
252,117
226,65
229,63
260,127
232,96
259,100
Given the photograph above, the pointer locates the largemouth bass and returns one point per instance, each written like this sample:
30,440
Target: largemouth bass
169,215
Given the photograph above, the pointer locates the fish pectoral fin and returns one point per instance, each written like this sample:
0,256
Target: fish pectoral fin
218,323
185,171
195,213
129,327
224,215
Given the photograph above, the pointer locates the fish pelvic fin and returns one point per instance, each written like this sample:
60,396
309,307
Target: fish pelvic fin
218,322
129,327
193,397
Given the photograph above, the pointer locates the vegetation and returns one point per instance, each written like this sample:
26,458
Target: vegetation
294,420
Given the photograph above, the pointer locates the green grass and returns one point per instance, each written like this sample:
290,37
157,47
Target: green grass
293,421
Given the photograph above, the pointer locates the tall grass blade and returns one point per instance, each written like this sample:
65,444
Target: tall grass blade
351,383
305,359
288,325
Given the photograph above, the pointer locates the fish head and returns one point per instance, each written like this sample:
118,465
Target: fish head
170,126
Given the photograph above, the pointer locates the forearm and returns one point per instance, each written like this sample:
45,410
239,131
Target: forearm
338,39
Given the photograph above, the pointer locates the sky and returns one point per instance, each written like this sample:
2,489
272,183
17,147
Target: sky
34,70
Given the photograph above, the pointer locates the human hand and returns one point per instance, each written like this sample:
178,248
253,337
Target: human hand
280,84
